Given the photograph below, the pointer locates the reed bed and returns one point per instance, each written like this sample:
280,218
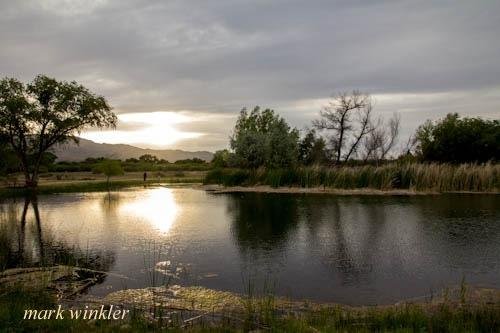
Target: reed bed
410,176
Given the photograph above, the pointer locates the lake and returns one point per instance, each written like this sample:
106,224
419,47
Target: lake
346,249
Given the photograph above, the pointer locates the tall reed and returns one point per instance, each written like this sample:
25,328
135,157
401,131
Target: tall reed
410,176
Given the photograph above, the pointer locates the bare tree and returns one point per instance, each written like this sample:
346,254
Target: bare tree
373,142
382,139
410,145
347,120
392,135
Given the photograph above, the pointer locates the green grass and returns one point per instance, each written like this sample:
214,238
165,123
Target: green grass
129,166
443,317
412,176
94,186
406,318
14,302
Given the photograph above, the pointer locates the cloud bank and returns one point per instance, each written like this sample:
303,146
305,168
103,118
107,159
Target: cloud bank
205,60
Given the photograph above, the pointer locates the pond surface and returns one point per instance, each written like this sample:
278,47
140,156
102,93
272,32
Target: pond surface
346,249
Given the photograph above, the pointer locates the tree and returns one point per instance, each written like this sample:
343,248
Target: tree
312,149
109,168
347,120
459,140
381,139
221,158
9,162
194,160
46,112
224,159
262,138
148,158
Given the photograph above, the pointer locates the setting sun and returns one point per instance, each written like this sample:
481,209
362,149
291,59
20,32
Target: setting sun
149,128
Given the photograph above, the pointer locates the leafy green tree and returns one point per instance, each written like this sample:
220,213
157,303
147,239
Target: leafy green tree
194,160
312,149
262,138
36,116
93,160
224,159
459,140
9,162
148,158
109,168
221,158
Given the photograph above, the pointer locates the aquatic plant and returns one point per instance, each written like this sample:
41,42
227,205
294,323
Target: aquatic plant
410,176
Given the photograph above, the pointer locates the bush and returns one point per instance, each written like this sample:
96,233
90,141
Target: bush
228,177
459,140
109,168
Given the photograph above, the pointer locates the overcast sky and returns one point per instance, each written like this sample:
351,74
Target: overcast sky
178,72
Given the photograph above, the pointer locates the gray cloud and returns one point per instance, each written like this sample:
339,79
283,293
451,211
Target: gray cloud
216,57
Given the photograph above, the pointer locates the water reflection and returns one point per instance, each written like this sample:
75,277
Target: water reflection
25,243
377,249
356,250
262,222
156,207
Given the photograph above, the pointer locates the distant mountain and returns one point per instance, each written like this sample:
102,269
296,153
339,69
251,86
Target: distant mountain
87,148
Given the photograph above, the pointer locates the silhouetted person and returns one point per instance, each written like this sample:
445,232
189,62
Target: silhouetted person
145,176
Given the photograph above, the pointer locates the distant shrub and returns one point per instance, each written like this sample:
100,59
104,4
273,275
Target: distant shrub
459,140
228,177
109,168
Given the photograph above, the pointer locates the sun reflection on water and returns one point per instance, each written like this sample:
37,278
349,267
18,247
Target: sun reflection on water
158,207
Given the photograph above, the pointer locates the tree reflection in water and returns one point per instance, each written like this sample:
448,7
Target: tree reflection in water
24,242
262,222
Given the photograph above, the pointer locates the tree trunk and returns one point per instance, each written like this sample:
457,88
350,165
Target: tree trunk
31,180
34,179
340,143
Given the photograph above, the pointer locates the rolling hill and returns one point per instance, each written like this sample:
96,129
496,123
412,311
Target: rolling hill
88,148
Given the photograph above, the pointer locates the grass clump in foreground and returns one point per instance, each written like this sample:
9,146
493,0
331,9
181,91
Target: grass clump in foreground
13,302
409,176
407,318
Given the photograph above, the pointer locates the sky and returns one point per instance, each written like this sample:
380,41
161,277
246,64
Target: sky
177,73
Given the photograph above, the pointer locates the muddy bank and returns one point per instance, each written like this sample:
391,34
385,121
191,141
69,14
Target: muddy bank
190,305
64,282
184,307
218,189
204,299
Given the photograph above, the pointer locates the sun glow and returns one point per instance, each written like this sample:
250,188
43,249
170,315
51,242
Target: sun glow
148,129
157,207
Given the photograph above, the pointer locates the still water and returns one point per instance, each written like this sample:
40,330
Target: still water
346,249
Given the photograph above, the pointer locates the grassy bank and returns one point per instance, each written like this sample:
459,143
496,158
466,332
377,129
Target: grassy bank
418,177
263,314
95,186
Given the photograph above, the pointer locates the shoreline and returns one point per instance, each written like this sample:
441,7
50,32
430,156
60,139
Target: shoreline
76,186
198,307
44,278
219,189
